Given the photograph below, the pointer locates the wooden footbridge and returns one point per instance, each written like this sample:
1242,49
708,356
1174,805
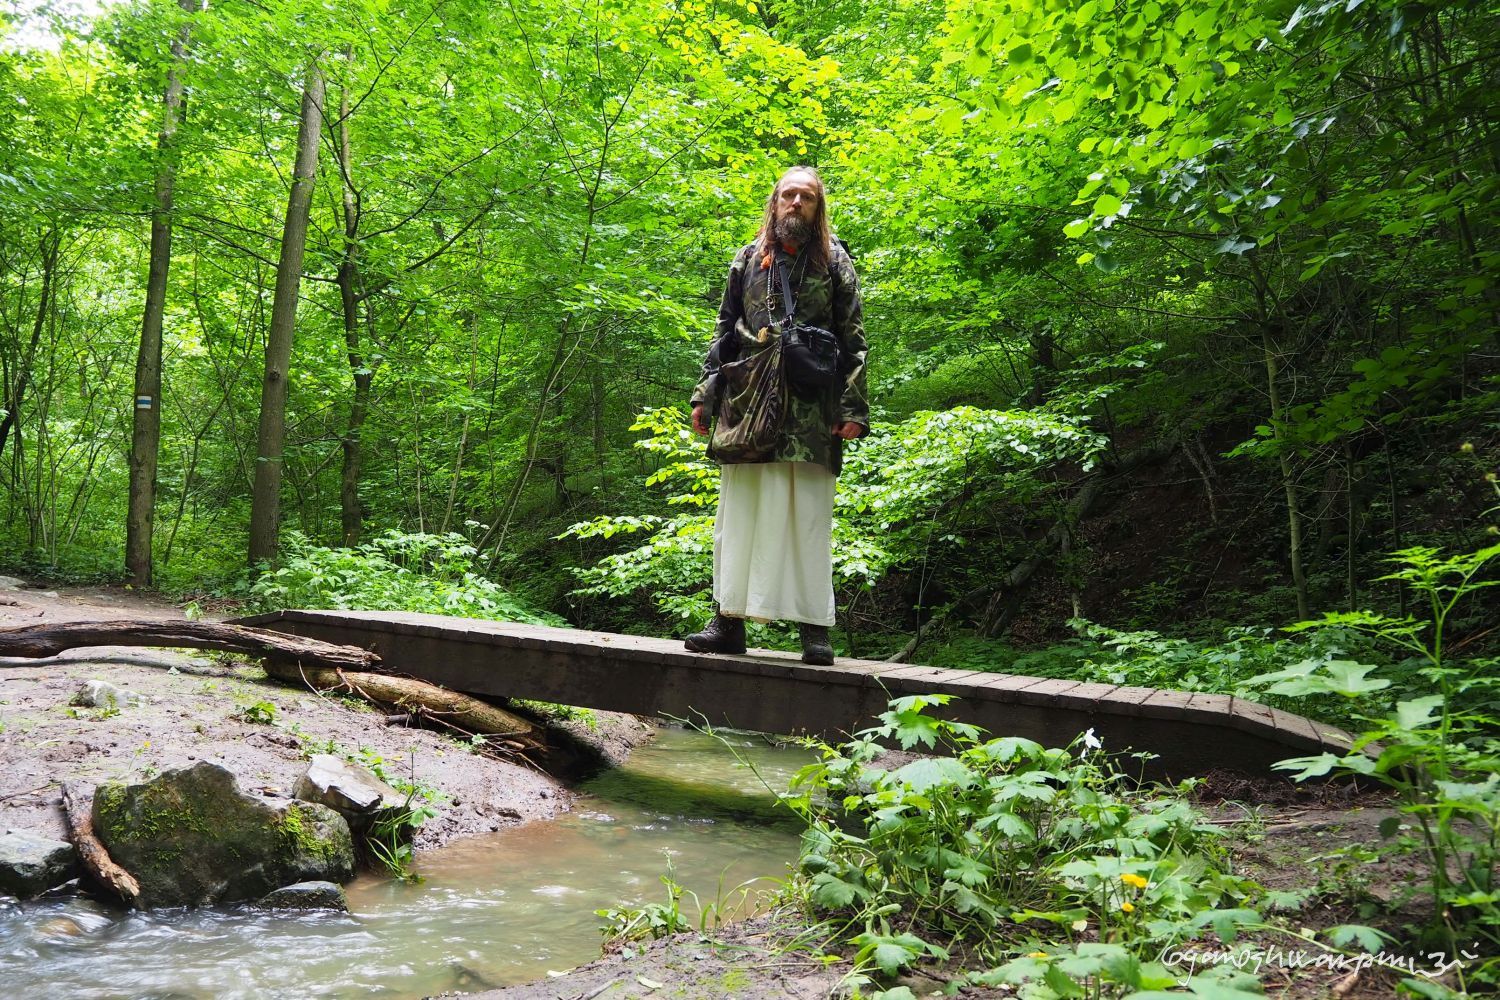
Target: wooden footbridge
774,692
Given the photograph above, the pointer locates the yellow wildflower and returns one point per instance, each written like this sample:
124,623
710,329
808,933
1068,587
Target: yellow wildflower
1130,878
1128,907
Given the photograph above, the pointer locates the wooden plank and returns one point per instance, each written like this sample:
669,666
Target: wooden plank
773,690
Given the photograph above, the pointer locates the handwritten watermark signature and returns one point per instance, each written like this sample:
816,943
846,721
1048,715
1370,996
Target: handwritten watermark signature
1430,965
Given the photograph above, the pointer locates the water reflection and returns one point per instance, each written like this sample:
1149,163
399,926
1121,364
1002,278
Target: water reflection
492,910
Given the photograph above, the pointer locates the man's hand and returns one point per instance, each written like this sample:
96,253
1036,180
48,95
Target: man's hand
848,430
700,420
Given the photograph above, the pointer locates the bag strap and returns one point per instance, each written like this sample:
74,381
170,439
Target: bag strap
786,284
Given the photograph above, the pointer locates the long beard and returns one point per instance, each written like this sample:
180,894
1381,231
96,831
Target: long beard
793,229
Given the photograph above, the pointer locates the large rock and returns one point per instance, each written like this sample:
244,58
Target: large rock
30,865
352,791
191,838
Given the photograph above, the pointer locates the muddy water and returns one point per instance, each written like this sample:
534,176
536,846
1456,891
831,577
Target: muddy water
494,910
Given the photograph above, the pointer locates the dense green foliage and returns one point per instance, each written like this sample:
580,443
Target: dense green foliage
1101,250
435,574
1054,873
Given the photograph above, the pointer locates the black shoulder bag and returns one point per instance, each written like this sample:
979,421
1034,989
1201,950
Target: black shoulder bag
812,353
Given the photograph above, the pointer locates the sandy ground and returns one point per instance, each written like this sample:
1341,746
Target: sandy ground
197,707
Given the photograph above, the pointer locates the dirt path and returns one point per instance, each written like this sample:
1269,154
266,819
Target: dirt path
203,707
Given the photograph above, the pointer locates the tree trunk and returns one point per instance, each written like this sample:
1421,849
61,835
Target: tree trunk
1288,479
51,245
145,439
265,503
420,698
36,641
348,279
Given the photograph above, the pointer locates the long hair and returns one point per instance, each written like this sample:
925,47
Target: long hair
820,247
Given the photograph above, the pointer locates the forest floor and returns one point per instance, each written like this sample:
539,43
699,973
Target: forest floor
1318,843
201,706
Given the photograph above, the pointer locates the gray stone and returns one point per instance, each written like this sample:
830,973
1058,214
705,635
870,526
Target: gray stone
11,583
352,791
307,896
103,694
30,865
192,838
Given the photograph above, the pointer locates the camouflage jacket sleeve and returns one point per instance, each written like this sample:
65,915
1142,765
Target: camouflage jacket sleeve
730,310
849,325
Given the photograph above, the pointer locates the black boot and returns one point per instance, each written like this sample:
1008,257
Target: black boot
723,635
816,646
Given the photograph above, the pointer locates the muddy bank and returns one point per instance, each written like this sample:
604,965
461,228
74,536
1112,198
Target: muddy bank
202,707
761,958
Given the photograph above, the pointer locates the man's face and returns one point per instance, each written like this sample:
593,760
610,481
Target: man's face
798,198
796,208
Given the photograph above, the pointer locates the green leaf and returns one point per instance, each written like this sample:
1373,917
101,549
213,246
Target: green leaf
929,772
1417,713
1076,228
829,892
1060,983
1227,923
1152,115
1367,938
1430,989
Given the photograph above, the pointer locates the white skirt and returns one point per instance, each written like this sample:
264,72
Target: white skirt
772,542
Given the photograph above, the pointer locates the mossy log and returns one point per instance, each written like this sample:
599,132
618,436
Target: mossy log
35,641
78,806
428,701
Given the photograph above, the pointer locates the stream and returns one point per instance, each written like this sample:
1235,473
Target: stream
490,911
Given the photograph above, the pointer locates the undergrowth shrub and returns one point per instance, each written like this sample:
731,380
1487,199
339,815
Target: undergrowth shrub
1436,746
886,509
398,571
1047,865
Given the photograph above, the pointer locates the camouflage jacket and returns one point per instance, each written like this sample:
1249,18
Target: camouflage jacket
752,303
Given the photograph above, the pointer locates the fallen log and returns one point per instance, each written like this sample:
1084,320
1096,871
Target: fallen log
322,666
49,639
428,701
78,806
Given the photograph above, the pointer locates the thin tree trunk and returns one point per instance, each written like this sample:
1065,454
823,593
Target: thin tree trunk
1288,480
145,439
50,247
349,302
1351,527
463,434
1268,318
265,504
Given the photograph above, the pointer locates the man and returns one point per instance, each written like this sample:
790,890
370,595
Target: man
772,536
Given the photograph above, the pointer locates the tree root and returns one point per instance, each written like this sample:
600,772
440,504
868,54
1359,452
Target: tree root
78,805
